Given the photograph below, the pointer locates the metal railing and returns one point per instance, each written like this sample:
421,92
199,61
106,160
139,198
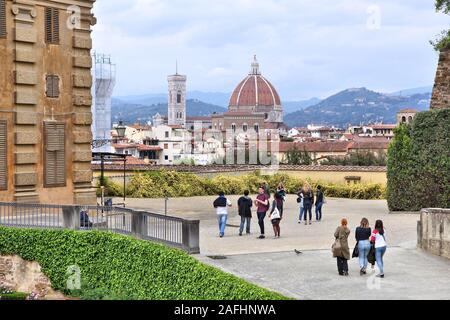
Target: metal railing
175,232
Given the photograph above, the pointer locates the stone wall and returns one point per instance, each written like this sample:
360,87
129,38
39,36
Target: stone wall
19,275
434,231
441,91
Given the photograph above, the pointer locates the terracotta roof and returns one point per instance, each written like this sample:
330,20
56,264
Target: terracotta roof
408,111
124,146
135,161
369,145
337,146
144,147
138,126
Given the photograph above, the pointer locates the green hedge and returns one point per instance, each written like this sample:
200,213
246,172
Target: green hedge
119,267
157,184
419,163
14,296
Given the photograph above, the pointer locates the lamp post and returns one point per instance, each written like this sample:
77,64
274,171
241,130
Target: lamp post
121,130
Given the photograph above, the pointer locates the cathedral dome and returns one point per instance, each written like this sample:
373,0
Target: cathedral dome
254,91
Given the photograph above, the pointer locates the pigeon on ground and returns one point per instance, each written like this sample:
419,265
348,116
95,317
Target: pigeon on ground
297,252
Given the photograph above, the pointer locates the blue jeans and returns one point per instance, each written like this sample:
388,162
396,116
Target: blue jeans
302,211
319,211
364,248
379,253
245,221
222,223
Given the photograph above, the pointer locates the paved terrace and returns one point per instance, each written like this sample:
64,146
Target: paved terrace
272,263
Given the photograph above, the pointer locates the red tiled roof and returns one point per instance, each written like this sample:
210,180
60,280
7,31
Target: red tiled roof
408,111
144,147
255,90
369,145
124,146
135,161
337,146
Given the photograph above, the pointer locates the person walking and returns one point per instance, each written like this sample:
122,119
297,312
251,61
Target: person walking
245,204
276,214
262,205
379,238
221,204
300,201
319,203
343,255
308,200
281,190
362,235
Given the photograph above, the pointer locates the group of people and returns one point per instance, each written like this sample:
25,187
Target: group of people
264,208
370,247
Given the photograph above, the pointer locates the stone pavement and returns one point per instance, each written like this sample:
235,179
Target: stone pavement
272,263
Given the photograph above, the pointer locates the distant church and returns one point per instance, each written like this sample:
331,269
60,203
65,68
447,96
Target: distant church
254,106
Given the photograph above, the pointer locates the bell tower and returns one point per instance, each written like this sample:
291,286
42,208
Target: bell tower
177,99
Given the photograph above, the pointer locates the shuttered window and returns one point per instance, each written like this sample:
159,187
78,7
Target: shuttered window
52,86
52,25
2,18
3,158
54,155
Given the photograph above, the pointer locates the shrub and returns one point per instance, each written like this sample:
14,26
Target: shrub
419,163
119,267
13,296
175,184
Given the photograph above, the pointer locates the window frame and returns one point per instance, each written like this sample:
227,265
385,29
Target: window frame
3,26
45,145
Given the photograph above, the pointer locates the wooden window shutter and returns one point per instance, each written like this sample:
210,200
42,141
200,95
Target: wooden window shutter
3,156
52,25
52,86
2,18
54,153
55,25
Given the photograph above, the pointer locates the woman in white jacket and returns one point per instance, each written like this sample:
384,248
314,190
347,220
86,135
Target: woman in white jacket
379,238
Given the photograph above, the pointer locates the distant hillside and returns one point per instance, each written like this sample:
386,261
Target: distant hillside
357,106
293,106
131,113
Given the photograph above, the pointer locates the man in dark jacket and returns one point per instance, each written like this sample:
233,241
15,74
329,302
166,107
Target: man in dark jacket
245,204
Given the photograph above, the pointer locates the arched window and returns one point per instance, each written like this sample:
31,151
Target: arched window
233,127
403,119
410,119
266,116
256,127
245,127
179,97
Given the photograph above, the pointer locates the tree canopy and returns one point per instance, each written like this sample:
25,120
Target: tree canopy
443,40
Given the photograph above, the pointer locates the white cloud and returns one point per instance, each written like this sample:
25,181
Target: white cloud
306,48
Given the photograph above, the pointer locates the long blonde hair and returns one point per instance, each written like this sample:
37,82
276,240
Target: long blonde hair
307,187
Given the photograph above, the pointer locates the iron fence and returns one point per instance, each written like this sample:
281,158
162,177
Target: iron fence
173,231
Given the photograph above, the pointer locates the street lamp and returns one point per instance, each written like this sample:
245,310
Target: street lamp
121,130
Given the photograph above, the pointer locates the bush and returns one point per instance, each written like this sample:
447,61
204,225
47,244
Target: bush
119,267
13,296
419,163
175,184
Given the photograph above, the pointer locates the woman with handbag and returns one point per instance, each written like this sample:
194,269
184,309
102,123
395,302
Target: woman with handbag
379,239
276,214
341,250
362,236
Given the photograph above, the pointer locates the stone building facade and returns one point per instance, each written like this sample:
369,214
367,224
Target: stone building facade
441,92
45,101
177,100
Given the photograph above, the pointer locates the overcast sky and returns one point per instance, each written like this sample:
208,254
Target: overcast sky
306,48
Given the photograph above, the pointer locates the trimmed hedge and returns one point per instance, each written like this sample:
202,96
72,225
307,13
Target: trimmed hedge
119,267
175,184
419,163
